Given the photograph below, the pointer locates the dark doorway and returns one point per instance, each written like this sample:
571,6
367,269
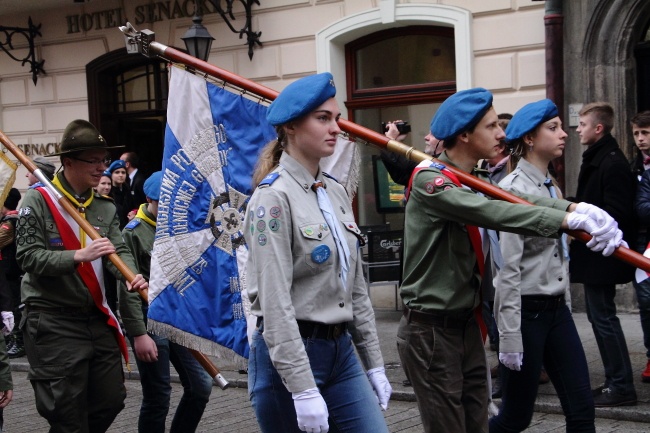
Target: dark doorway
642,54
127,102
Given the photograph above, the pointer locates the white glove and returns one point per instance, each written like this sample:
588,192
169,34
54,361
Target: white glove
8,321
311,411
512,360
613,243
380,384
601,217
578,221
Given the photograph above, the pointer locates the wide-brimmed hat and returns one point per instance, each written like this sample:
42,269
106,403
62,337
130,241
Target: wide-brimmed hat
81,135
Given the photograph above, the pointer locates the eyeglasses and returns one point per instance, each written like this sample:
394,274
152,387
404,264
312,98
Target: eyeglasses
105,161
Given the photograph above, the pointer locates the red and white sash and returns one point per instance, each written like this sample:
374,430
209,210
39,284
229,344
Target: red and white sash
92,276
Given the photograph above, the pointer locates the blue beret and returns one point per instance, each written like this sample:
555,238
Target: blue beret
106,173
115,165
528,117
152,186
301,97
460,112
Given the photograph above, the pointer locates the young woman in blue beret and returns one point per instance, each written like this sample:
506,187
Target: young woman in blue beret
305,281
446,250
532,299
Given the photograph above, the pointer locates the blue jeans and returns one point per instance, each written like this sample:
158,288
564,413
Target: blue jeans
156,389
601,312
643,298
350,399
550,338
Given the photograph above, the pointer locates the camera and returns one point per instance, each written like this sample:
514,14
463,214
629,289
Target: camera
402,127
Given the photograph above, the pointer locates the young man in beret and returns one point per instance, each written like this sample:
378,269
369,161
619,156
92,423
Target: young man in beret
439,339
154,370
72,339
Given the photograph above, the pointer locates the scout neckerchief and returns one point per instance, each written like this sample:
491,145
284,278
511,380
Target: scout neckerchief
81,207
143,216
92,276
472,231
342,249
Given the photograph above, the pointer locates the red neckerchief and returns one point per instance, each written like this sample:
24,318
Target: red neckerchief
474,238
87,273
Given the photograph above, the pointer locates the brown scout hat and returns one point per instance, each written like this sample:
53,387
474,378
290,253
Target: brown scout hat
81,135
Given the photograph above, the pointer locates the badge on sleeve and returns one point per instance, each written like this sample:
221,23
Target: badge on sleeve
261,211
261,225
275,211
429,187
261,239
439,180
320,254
274,225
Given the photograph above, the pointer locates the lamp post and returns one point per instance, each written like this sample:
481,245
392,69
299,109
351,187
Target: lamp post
197,38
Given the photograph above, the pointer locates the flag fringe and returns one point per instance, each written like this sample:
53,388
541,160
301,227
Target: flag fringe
199,344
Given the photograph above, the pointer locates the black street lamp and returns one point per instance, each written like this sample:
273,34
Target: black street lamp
197,38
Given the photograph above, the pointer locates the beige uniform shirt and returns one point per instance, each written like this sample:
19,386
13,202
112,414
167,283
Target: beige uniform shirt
532,265
293,270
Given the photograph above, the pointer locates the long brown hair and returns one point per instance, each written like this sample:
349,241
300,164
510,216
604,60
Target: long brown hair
269,156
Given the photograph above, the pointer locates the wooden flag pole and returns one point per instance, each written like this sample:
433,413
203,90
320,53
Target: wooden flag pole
146,45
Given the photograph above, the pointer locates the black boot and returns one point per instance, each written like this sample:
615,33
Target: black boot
18,348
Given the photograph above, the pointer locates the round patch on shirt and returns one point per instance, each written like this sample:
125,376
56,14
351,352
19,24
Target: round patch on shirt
274,225
24,211
275,211
261,225
438,181
261,211
447,187
429,187
309,231
261,239
320,254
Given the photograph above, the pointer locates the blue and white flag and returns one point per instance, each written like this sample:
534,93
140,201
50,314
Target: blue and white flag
212,142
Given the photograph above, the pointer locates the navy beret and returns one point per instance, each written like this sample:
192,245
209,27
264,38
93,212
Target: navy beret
301,97
106,173
152,186
118,163
460,112
528,117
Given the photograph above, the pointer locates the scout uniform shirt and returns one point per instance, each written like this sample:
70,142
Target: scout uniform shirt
440,272
293,270
51,278
532,265
138,236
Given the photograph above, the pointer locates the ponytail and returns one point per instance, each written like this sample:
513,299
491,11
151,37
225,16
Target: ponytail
269,157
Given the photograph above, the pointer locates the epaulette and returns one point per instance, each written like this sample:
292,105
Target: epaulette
269,179
133,224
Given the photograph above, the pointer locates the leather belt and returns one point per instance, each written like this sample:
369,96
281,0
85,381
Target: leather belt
71,311
541,302
315,329
449,321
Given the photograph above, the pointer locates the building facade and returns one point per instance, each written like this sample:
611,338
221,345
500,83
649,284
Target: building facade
391,59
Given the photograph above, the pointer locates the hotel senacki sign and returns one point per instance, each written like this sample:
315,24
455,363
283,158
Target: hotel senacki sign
146,13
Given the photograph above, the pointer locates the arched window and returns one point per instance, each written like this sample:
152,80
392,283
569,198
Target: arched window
397,74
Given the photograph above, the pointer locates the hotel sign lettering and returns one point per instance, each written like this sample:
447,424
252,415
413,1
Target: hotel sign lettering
43,149
146,13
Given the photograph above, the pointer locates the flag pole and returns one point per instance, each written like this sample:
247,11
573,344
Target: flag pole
144,42
94,235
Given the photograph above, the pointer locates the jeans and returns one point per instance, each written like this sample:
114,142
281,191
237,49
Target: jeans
448,370
156,389
550,338
601,312
351,401
643,298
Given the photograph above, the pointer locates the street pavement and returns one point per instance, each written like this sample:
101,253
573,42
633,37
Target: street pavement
230,411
